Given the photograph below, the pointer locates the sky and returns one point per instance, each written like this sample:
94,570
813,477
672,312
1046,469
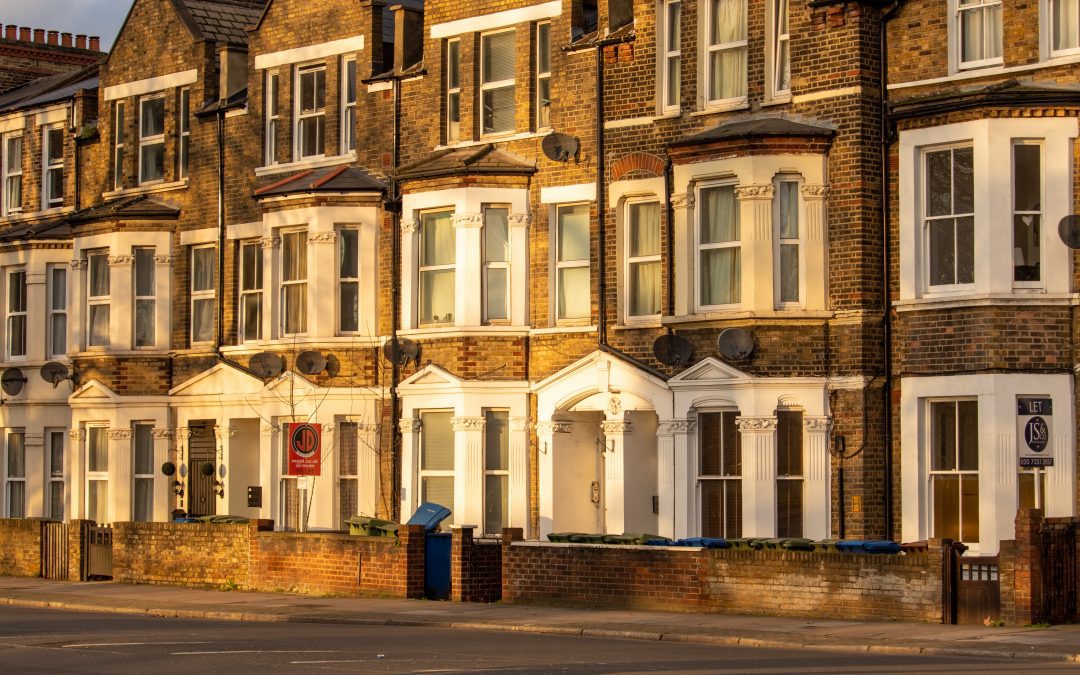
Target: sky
89,17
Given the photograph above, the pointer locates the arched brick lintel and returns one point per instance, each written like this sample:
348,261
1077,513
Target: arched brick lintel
637,160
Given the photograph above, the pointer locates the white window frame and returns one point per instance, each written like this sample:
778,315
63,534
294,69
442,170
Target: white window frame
50,166
780,242
99,257
272,109
421,472
629,260
453,90
710,48
101,475
779,38
670,99
118,145
348,105
699,247
1047,11
146,142
141,299
12,172
1039,214
569,264
925,220
543,76
11,480
184,154
724,478
957,471
202,295
300,282
55,475
255,291
489,265
957,8
57,310
301,115
497,473
14,310
495,85
136,477
422,269
344,280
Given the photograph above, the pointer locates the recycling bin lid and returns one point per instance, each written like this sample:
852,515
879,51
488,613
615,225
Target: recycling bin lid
429,514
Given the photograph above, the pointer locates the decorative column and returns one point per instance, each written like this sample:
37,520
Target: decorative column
468,470
410,457
755,213
615,432
120,475
676,478
271,283
683,206
518,500
164,492
121,334
367,466
519,269
814,201
758,436
322,306
468,309
37,346
545,441
269,468
816,478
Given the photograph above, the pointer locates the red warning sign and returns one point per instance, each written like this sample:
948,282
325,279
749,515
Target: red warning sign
305,448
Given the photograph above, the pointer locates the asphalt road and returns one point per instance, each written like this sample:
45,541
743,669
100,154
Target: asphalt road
33,640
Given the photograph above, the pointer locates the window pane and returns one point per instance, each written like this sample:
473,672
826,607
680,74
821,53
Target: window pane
97,501
58,334
202,273
144,449
152,122
348,444
202,321
350,306
1065,20
16,456
939,183
789,508
719,215
56,454
788,195
789,443
496,498
942,253
349,267
153,162
252,310
295,309
728,70
573,233
789,273
644,289
573,302
969,508
294,256
453,64
721,276
644,236
965,250
97,456
144,500
729,21
437,296
721,508
58,279
498,110
496,235
964,180
1027,198
967,423
251,267
144,323
99,276
497,440
498,57
56,500
437,442
497,301
543,48
438,239
438,489
712,443
99,325
943,436
16,506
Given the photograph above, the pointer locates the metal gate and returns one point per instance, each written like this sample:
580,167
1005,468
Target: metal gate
97,561
978,590
1059,572
54,550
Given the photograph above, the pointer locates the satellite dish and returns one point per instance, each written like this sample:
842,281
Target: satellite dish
311,362
735,344
559,147
401,350
54,373
12,381
1069,231
672,350
266,365
333,366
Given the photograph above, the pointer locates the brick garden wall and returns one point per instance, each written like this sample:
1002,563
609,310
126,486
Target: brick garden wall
20,547
189,554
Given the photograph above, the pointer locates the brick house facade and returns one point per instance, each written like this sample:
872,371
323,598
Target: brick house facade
464,228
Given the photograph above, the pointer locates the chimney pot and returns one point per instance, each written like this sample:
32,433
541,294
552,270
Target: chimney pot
24,34
95,43
54,37
39,35
65,39
11,32
80,42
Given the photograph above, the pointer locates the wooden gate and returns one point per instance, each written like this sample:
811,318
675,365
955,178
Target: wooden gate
54,550
978,590
97,560
1059,585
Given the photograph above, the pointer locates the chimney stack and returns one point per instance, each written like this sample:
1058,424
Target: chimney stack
54,37
24,34
11,32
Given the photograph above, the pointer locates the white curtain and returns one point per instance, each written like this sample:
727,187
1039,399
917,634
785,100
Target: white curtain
728,66
1066,24
720,267
644,241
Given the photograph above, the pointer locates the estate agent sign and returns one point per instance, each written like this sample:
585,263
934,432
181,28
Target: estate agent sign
1034,431
305,448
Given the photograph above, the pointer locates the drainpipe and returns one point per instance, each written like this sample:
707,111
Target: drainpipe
395,295
220,338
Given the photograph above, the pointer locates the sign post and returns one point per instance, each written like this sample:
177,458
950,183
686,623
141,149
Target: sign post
1034,431
305,448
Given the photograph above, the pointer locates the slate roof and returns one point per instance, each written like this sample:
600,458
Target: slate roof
482,159
1020,93
142,207
221,20
333,179
52,228
49,89
760,125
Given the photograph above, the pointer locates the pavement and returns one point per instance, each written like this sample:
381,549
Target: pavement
1054,643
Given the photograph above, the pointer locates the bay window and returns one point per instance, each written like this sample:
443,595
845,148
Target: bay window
145,294
643,259
725,47
438,256
978,32
251,290
349,280
310,129
720,276
954,469
52,187
789,473
203,293
572,253
12,164
294,270
1027,212
720,474
497,57
496,270
98,290
152,139
949,208
16,314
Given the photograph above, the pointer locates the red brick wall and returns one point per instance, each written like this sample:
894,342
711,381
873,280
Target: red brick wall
187,554
779,583
20,548
475,567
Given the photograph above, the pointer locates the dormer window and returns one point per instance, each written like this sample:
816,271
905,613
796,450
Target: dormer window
53,155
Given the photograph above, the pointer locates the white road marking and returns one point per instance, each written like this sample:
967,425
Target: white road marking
133,644
257,651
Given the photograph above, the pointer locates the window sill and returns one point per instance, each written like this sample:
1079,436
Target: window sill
147,189
562,330
496,138
1018,298
255,346
439,332
779,99
712,109
639,324
743,315
313,163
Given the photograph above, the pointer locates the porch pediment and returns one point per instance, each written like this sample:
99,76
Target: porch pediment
93,391
221,379
709,371
601,381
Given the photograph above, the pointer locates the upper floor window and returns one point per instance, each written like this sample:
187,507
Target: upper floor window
272,117
185,132
572,285
978,24
294,282
789,247
719,247
53,160
16,314
1064,26
725,44
349,280
310,130
671,55
779,50
251,290
496,264
97,299
543,75
13,161
57,299
1027,212
348,105
118,146
438,267
453,91
497,52
152,139
203,293
949,207
720,474
145,303
643,259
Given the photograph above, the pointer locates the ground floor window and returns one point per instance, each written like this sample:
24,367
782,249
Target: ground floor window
15,475
954,469
348,483
789,473
143,492
437,458
496,470
720,474
54,453
97,474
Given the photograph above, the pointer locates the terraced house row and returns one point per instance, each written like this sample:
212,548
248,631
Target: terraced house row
690,267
